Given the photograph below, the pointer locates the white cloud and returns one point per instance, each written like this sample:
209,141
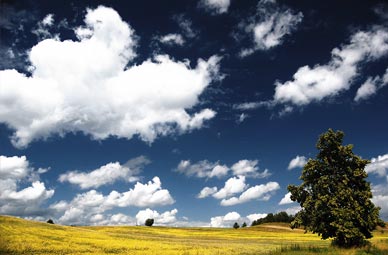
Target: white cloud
85,205
242,117
215,6
232,186
224,221
172,39
48,20
206,169
371,86
166,218
256,216
202,169
378,166
286,199
322,81
42,30
297,162
99,219
205,192
293,210
230,218
149,99
104,175
274,23
262,192
13,167
249,168
119,219
186,26
245,166
380,198
382,202
247,106
142,195
366,90
27,201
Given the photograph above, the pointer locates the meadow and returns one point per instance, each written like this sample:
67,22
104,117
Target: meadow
18,236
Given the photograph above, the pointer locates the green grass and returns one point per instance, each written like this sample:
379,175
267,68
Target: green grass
18,236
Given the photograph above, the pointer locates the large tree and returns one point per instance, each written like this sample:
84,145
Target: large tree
334,195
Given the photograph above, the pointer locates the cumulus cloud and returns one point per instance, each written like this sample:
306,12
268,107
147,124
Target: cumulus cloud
172,39
260,192
21,202
142,195
380,198
249,168
286,199
206,169
297,162
119,219
202,169
371,86
236,185
104,175
230,218
382,202
84,206
205,192
224,221
255,216
378,166
13,167
293,210
232,186
269,26
149,99
166,218
322,81
215,6
110,219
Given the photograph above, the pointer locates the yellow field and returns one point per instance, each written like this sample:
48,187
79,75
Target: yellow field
18,236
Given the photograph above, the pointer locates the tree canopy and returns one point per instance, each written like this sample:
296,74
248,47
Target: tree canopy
149,222
277,217
334,195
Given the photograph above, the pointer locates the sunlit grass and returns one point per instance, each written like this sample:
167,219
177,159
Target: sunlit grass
19,236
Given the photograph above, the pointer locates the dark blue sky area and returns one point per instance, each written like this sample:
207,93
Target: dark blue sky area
228,95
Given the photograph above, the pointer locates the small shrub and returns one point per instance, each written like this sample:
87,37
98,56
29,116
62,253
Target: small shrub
149,222
235,225
50,221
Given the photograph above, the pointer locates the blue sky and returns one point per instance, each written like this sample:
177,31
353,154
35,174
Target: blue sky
195,113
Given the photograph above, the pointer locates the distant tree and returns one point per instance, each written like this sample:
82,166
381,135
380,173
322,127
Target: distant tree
244,225
235,225
270,218
335,196
149,222
50,221
277,217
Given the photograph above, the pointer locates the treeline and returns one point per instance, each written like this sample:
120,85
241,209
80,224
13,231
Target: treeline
277,217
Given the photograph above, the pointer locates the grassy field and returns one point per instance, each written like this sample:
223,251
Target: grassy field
18,236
